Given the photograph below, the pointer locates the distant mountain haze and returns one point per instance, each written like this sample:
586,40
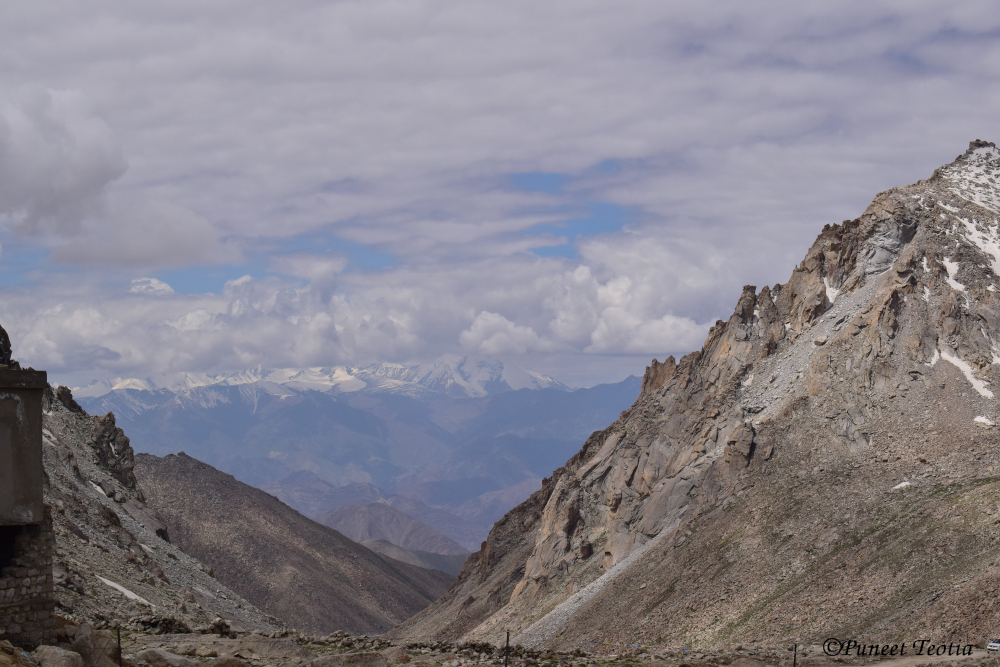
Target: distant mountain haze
379,521
467,439
448,564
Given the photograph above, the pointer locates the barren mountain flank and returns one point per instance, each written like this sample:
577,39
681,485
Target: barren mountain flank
825,466
305,573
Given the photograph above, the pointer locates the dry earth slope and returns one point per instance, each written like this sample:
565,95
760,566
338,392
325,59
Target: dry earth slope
826,465
303,572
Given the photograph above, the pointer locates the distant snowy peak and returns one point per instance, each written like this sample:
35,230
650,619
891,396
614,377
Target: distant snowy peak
454,376
450,376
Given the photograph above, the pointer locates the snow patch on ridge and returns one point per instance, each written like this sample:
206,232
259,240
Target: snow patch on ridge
980,385
126,592
450,374
988,241
975,177
831,292
952,268
984,421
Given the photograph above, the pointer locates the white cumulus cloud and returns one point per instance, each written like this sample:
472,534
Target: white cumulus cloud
494,334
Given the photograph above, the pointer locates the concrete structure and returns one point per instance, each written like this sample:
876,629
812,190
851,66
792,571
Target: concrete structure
26,539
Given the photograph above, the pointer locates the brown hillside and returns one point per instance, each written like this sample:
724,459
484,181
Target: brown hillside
309,575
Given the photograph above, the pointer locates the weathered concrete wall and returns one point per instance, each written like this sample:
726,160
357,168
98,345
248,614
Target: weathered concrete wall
21,447
26,538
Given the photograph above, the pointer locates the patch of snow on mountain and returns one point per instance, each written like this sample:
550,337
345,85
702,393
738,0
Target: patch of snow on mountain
831,291
126,592
952,268
980,385
985,238
975,177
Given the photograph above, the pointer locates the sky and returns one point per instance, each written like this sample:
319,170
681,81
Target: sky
574,186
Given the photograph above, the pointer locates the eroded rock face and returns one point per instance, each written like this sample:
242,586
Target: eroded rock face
890,316
113,449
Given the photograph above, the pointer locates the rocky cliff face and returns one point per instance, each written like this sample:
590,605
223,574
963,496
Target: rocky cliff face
825,464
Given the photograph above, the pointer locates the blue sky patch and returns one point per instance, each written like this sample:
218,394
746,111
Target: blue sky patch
360,257
208,279
19,260
601,218
539,181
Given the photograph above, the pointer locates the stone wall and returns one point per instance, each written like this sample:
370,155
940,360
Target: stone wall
27,598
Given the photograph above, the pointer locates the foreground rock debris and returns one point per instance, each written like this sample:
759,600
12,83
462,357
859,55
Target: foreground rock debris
825,466
82,646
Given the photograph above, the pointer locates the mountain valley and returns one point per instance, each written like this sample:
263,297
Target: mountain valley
468,445
825,466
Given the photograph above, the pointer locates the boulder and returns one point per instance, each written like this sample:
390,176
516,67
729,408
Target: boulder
395,655
98,648
155,657
51,656
227,661
367,659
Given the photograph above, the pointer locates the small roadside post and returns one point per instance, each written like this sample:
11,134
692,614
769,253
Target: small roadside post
506,650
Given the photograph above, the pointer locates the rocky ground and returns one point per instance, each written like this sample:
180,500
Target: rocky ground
98,648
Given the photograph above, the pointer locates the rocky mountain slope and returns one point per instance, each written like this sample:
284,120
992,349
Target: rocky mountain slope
298,570
825,466
379,521
114,561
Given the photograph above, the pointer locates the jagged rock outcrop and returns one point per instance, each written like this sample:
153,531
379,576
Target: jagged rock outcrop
834,436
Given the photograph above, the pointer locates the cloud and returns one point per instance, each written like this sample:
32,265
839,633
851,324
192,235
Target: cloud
146,234
150,286
56,159
58,163
264,138
493,334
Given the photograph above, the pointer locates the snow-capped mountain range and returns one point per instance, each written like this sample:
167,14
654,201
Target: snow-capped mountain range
458,377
